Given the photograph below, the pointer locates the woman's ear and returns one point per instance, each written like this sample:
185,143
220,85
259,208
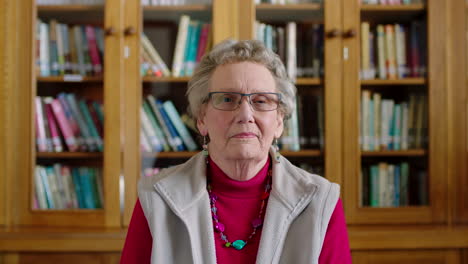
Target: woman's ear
280,124
202,126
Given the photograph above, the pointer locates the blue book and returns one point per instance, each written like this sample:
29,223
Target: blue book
87,188
374,186
179,125
195,28
396,182
175,137
77,183
190,30
48,191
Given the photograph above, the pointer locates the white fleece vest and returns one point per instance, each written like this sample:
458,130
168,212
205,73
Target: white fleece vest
176,205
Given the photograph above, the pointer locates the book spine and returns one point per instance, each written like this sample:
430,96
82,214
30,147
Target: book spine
93,50
89,122
40,189
175,137
156,127
47,190
41,135
381,52
203,41
193,46
76,121
152,102
365,58
150,131
67,132
179,125
178,60
291,65
53,126
44,49
374,186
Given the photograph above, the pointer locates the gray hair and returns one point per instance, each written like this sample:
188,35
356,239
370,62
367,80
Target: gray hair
231,51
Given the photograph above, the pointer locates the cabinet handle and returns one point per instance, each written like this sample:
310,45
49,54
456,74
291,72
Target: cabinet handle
350,33
334,33
110,31
129,31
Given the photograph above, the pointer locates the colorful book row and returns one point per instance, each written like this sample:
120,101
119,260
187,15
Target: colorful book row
163,128
393,51
68,49
304,129
393,185
392,2
194,39
68,123
63,187
300,46
387,125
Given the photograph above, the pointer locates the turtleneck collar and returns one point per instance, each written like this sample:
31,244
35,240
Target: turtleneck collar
224,185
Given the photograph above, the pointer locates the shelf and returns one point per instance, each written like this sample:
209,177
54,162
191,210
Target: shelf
289,7
309,81
70,78
302,153
151,79
395,153
390,8
173,12
405,81
178,8
69,155
69,8
290,12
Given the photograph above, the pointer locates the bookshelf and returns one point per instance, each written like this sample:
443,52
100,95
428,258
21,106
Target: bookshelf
409,234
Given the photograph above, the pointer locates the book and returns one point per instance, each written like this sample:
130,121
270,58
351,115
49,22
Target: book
54,131
178,61
175,137
65,128
179,125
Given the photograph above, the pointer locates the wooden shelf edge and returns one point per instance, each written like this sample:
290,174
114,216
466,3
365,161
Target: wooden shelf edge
412,237
411,7
69,155
311,6
178,8
395,153
64,8
405,81
70,79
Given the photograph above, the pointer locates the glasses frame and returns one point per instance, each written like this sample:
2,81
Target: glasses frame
248,100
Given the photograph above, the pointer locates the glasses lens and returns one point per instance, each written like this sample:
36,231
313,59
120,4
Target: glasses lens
264,101
225,101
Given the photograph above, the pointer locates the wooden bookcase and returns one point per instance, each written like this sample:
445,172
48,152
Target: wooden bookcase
413,234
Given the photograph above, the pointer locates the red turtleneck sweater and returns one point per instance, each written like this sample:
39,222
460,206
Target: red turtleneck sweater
238,204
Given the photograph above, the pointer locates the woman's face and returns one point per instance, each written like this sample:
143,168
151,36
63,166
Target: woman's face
241,134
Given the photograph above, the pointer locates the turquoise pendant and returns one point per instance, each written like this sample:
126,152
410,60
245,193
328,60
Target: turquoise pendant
238,244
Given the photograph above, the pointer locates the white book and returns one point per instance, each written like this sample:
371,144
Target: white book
41,139
383,183
149,130
396,127
377,98
44,57
39,188
365,56
144,143
154,55
291,56
381,52
365,102
400,51
177,65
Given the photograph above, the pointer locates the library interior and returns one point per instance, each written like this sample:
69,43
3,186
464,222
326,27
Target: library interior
93,101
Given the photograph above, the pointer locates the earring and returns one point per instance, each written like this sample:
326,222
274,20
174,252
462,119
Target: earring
205,149
276,147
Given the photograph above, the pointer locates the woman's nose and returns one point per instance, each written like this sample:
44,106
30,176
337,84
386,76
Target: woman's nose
245,110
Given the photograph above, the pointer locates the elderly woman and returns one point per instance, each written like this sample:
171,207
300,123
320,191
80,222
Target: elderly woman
239,200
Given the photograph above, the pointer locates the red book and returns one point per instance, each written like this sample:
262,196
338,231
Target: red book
54,132
93,50
67,132
205,31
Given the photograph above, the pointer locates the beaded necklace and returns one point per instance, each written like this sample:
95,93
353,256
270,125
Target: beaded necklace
256,223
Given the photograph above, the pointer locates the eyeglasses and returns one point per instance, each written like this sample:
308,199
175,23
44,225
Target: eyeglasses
230,101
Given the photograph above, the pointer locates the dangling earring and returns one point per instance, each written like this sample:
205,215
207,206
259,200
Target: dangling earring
277,154
205,149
